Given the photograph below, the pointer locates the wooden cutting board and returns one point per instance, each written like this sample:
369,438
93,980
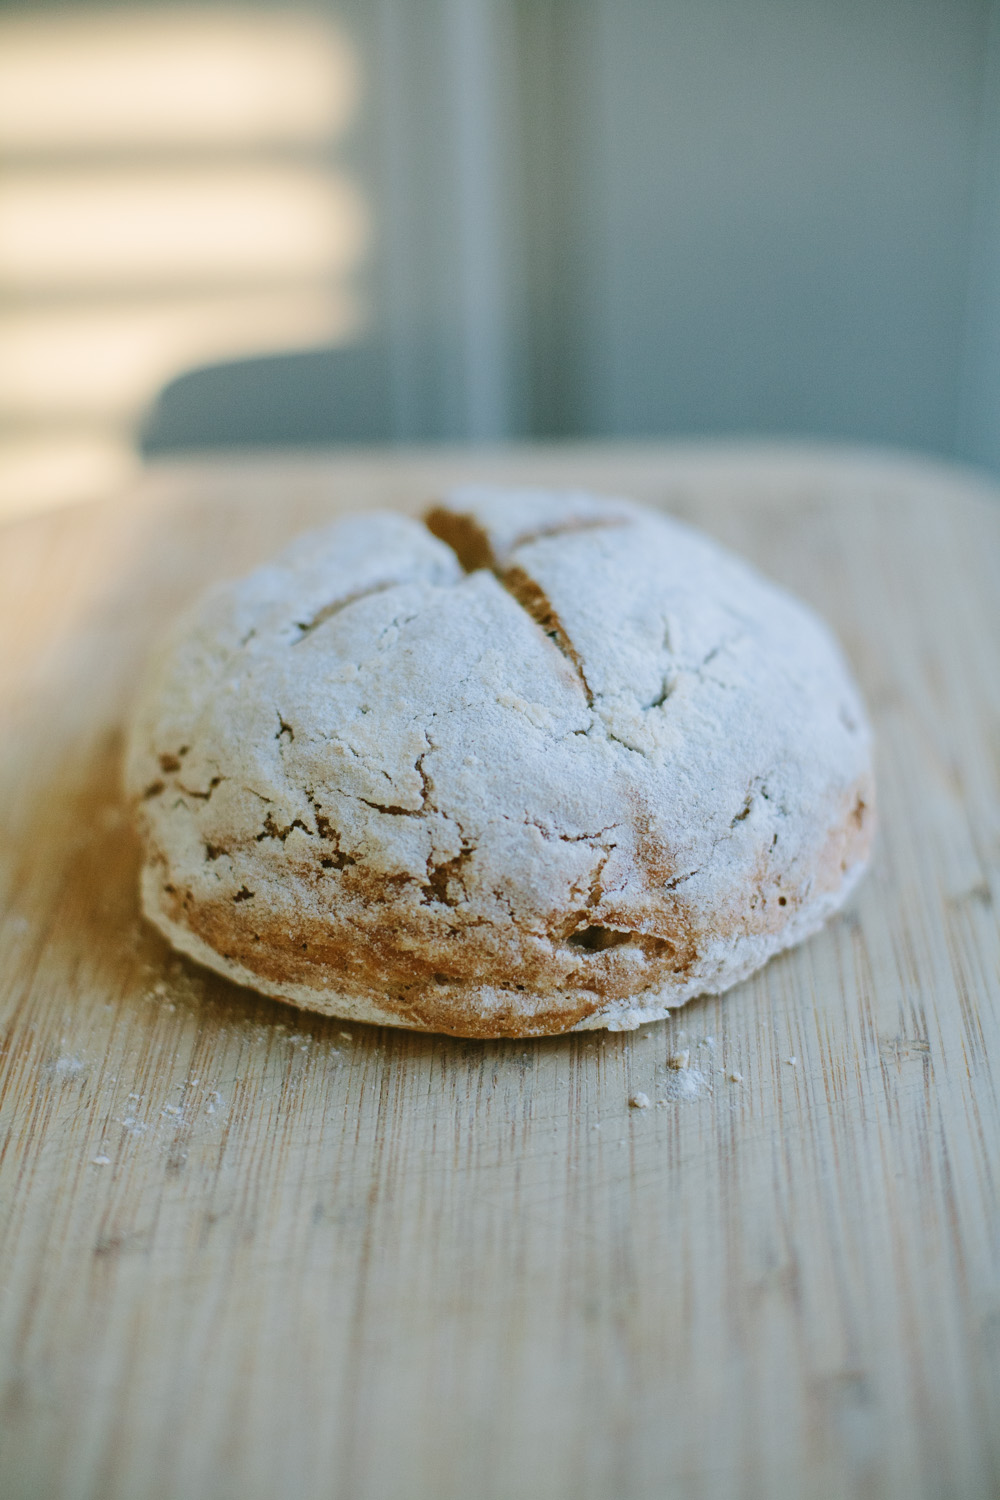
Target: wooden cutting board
249,1253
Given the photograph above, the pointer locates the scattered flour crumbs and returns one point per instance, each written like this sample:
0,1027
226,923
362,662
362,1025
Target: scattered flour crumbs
680,1079
679,1084
685,1076
193,1107
67,1066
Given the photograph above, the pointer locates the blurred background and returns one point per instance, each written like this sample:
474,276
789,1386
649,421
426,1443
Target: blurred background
376,221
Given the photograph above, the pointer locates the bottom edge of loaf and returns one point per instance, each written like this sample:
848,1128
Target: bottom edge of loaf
724,963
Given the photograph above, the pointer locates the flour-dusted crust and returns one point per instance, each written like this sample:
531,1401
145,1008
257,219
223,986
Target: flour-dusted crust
548,762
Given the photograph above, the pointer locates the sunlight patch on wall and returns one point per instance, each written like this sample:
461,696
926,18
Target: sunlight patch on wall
185,77
119,229
170,198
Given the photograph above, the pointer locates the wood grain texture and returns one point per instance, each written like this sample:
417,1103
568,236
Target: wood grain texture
243,1254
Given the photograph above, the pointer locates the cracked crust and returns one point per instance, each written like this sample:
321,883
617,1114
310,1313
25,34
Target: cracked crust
547,763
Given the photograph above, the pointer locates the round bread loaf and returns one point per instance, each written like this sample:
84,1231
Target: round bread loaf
544,763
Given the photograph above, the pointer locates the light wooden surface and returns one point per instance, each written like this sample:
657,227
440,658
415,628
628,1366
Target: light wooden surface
245,1256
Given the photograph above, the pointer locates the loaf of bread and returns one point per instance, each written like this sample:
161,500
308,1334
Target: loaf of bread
543,763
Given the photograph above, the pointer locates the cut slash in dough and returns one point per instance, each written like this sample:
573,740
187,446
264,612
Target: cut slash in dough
544,763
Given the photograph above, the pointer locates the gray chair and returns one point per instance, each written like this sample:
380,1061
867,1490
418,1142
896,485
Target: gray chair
300,399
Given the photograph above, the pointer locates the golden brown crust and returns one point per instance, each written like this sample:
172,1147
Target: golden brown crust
440,988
